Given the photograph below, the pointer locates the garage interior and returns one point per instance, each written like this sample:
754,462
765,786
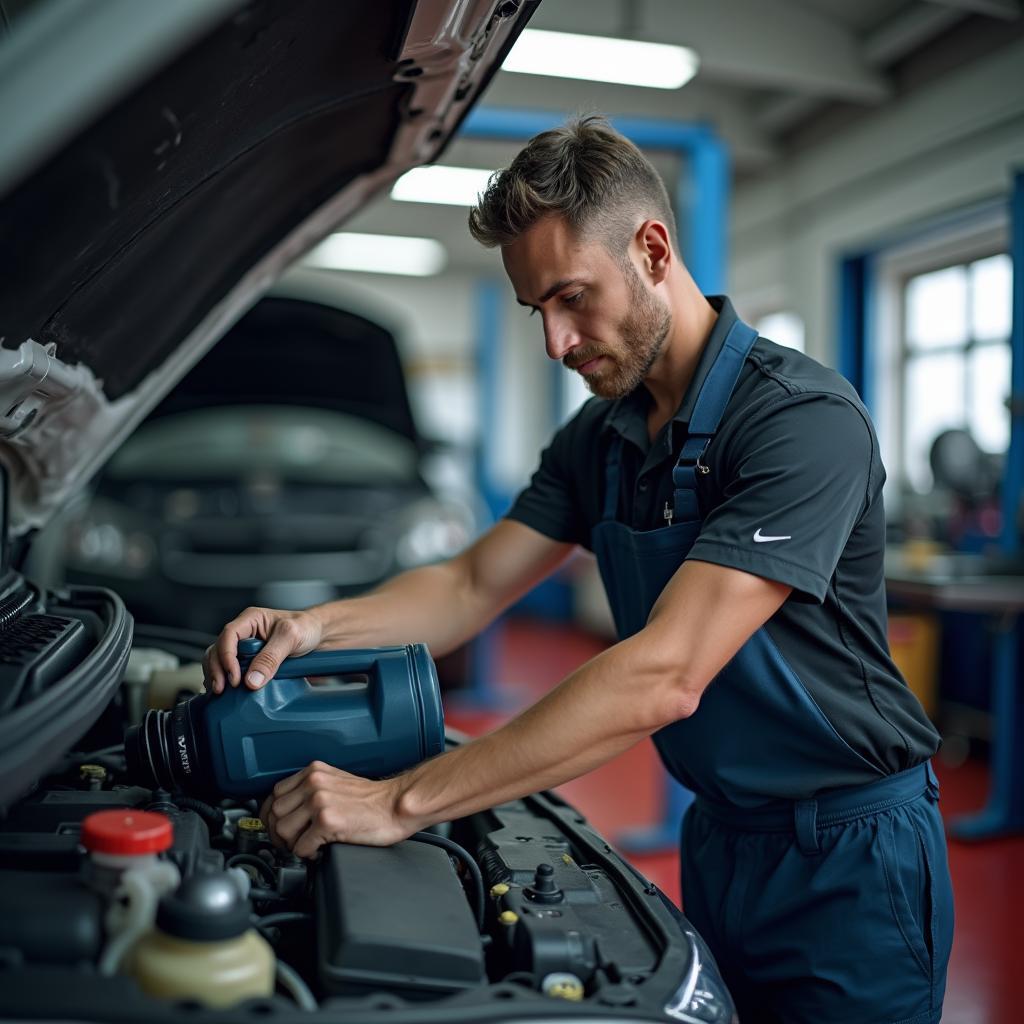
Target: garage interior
868,147
851,175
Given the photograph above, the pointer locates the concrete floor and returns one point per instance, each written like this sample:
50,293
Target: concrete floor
986,975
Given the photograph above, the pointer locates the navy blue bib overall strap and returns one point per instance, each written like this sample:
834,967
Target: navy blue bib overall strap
754,752
758,735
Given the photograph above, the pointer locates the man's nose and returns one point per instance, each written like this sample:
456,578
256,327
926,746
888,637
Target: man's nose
559,338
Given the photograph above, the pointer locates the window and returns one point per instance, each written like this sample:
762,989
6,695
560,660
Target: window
955,359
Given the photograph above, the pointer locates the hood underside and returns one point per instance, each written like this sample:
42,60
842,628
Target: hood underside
132,246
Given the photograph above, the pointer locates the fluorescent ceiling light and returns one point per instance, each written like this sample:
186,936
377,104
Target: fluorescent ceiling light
601,59
452,186
378,254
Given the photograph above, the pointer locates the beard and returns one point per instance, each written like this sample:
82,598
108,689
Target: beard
641,334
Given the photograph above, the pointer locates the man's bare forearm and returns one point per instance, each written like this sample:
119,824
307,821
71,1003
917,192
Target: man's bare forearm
653,678
434,604
444,605
599,711
440,605
703,617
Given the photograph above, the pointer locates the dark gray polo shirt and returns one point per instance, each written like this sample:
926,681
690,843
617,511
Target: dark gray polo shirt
794,494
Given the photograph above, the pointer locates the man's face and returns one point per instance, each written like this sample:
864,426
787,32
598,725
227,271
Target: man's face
599,317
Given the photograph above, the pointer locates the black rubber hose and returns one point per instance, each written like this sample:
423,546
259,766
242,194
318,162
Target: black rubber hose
213,816
290,980
471,866
257,862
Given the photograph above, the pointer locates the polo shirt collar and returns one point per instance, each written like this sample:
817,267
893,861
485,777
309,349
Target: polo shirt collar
628,415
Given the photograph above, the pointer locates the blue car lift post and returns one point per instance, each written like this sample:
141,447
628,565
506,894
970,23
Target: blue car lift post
702,198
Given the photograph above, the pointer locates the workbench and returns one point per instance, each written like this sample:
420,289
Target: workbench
993,587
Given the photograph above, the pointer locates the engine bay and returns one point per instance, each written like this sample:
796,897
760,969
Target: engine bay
520,906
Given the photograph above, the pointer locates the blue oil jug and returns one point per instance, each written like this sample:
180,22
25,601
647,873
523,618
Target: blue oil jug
378,713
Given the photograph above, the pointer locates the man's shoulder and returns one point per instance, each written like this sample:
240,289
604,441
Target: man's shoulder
783,371
786,395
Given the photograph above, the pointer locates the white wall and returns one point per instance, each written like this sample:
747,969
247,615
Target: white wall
951,144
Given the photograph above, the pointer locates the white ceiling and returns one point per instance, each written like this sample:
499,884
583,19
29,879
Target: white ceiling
767,66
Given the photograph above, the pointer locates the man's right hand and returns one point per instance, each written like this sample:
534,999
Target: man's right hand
286,634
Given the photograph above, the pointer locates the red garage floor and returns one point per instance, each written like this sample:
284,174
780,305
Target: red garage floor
986,975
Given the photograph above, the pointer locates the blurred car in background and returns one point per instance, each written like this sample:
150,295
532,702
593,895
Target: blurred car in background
285,469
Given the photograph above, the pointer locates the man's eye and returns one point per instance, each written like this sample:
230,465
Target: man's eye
573,299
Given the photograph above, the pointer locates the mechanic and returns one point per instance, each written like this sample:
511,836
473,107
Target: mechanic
731,490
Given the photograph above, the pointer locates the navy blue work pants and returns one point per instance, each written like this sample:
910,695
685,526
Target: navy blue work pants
842,913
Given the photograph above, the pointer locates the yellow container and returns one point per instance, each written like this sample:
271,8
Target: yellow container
914,642
218,973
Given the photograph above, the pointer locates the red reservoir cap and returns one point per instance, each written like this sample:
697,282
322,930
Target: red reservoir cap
127,832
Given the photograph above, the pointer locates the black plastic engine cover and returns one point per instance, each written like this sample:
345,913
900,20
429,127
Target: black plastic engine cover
394,919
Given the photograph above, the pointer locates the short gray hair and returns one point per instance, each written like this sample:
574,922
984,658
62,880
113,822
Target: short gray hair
584,171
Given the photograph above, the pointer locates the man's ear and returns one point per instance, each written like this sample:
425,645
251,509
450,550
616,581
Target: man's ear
655,250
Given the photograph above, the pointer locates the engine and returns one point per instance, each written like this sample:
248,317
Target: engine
520,902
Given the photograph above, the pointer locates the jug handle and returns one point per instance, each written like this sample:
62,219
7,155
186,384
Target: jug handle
318,663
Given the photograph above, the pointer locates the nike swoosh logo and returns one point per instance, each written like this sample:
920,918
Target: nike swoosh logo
760,538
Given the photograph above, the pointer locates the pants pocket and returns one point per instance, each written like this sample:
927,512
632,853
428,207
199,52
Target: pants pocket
908,880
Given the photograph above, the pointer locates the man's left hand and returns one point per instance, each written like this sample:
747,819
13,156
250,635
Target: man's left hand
322,804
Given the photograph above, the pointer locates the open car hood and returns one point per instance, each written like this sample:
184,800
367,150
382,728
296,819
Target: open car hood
295,352
150,194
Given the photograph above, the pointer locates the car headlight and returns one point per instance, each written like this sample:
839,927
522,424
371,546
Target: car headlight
702,998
